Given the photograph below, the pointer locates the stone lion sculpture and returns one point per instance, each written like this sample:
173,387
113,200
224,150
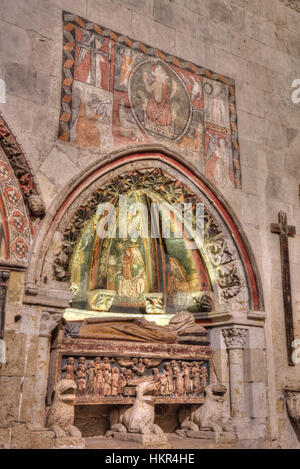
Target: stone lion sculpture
138,418
207,417
60,417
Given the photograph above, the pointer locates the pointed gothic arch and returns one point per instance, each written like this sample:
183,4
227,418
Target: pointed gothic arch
236,275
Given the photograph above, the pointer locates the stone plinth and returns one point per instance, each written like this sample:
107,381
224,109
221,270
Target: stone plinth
209,435
146,440
69,443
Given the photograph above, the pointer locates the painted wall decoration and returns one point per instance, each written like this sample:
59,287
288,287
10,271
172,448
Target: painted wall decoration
15,226
130,269
117,92
18,188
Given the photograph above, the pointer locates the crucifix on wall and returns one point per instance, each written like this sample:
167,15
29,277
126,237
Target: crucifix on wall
91,48
284,232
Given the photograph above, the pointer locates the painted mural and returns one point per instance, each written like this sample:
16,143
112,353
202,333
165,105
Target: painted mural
117,92
146,270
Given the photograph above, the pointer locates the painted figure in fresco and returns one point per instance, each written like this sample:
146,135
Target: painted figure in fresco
177,282
81,379
216,104
127,61
70,369
218,159
157,105
131,280
91,378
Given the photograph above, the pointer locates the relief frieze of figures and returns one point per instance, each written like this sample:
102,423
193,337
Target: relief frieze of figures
106,377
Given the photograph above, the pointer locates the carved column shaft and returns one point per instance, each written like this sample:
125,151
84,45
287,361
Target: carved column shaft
48,323
235,342
4,277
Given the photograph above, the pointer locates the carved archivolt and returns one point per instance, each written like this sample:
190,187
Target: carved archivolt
217,248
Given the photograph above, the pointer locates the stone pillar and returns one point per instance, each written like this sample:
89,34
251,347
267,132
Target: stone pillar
48,323
235,338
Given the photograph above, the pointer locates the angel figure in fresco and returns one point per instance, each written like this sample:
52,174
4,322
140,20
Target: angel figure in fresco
157,105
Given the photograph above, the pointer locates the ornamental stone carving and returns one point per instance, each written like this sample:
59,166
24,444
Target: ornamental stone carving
138,418
207,417
235,337
48,323
61,414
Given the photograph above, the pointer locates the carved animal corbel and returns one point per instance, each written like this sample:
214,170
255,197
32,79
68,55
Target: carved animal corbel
60,416
139,418
207,417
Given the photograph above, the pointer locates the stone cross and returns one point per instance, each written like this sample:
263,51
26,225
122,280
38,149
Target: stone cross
284,232
4,277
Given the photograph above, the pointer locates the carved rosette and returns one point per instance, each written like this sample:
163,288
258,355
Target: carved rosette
48,323
235,337
293,406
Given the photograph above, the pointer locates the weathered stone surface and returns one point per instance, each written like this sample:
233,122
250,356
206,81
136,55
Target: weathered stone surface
149,439
4,438
10,388
16,354
69,443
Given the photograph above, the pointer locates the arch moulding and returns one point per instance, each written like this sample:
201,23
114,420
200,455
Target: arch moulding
232,259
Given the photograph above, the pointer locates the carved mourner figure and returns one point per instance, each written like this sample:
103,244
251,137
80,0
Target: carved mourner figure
91,378
81,379
70,369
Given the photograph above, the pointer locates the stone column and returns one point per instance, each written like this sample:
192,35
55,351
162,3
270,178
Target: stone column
235,338
48,323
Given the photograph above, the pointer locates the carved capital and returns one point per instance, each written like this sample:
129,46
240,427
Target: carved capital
235,337
48,323
293,405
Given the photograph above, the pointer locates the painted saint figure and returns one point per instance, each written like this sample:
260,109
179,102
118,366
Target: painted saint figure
159,114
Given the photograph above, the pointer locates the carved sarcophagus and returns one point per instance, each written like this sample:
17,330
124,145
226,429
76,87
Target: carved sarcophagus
108,371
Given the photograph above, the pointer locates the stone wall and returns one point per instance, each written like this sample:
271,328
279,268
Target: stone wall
255,42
